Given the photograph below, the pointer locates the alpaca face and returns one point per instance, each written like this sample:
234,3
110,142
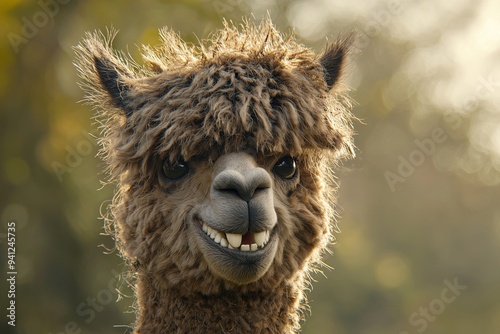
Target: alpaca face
222,155
234,225
244,219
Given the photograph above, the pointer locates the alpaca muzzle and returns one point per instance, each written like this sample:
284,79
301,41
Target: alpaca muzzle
235,228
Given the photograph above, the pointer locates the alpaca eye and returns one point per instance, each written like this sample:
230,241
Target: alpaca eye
175,170
285,167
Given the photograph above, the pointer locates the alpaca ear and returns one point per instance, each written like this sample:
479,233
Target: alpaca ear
113,80
106,79
334,59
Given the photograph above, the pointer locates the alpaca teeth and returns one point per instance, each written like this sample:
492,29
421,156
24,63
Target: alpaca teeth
260,238
234,239
218,238
223,242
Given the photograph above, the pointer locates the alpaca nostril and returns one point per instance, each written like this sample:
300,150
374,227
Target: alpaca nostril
258,180
244,185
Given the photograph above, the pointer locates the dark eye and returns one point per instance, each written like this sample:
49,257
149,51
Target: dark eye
175,170
285,167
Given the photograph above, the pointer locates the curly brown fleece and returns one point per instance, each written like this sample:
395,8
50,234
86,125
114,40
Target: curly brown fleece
249,89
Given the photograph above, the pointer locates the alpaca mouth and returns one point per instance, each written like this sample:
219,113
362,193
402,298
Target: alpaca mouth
240,258
248,242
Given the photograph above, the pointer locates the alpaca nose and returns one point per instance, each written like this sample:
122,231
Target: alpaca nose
241,196
244,184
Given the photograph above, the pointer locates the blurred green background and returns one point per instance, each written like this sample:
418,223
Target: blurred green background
419,205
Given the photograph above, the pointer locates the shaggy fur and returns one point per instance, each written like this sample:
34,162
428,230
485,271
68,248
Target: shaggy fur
247,90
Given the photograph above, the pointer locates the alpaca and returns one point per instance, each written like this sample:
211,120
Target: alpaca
222,154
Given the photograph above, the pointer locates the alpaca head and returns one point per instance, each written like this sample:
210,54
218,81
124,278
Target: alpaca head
222,153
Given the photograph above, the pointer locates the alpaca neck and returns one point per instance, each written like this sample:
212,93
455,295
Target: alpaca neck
172,311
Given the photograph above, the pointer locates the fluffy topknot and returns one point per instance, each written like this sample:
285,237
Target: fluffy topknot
242,88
